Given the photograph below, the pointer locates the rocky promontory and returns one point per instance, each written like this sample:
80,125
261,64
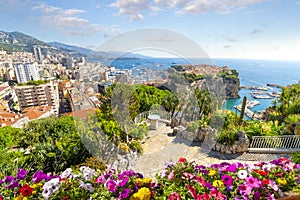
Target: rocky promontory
220,80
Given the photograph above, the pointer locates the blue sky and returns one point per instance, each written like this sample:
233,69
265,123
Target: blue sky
254,29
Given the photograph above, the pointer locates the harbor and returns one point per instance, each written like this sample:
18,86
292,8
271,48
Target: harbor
249,113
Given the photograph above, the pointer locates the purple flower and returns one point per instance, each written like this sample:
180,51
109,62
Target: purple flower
232,168
129,173
13,184
208,185
111,185
123,182
125,193
252,182
138,175
227,180
256,195
39,176
9,179
21,173
1,181
223,164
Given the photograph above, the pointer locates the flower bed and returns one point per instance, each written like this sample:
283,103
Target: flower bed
181,180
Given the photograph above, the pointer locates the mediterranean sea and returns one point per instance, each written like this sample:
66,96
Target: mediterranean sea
251,73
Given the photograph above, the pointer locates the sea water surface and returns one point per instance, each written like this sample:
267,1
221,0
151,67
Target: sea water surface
251,73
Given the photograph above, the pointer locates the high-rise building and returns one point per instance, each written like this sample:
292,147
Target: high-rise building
26,72
37,53
38,95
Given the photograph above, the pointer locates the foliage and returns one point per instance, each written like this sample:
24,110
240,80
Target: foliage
8,135
227,136
296,157
181,180
32,82
94,163
55,144
256,128
292,124
136,146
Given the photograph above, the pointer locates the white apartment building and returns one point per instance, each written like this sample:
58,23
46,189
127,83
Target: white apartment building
38,95
26,72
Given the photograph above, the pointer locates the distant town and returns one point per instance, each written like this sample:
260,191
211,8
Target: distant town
38,85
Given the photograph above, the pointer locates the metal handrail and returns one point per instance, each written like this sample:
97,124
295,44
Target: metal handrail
275,144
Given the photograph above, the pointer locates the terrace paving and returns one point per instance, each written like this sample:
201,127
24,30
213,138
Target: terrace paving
160,148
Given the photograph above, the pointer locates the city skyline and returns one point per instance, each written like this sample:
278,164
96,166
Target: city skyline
253,29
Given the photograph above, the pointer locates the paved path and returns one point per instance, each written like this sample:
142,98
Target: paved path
161,148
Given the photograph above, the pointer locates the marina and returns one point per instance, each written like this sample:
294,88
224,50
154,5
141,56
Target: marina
248,112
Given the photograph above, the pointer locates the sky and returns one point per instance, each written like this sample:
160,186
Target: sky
252,29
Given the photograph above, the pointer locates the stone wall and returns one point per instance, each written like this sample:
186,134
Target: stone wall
239,146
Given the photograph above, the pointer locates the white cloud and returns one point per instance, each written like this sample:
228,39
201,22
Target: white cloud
135,8
65,20
131,8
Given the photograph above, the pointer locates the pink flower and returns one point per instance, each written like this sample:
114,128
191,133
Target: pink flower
192,191
174,196
217,195
201,181
244,189
252,182
204,196
111,185
171,175
227,180
188,175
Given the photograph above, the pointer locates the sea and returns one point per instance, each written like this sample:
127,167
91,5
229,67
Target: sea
251,73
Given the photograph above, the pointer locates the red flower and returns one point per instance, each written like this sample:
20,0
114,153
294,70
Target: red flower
181,160
265,182
26,190
1,198
261,172
279,174
65,198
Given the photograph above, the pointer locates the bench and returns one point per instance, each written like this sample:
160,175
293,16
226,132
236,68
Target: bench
284,144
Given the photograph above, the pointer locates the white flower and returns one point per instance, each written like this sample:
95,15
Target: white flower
50,188
268,166
88,173
67,173
242,174
86,186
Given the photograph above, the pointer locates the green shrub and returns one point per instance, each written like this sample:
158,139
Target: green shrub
136,146
227,137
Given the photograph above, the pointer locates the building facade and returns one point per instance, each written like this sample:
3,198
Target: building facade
38,95
26,72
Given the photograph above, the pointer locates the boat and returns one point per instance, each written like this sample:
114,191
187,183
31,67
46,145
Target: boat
261,96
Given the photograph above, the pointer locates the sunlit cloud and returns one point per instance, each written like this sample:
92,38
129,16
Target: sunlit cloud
136,9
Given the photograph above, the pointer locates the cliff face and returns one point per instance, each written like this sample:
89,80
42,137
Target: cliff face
220,80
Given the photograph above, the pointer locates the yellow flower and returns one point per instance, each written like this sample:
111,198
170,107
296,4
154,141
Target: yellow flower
281,181
21,197
142,194
143,181
218,184
36,185
212,172
147,180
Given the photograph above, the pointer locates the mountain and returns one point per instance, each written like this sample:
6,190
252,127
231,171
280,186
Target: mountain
17,41
67,47
96,55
